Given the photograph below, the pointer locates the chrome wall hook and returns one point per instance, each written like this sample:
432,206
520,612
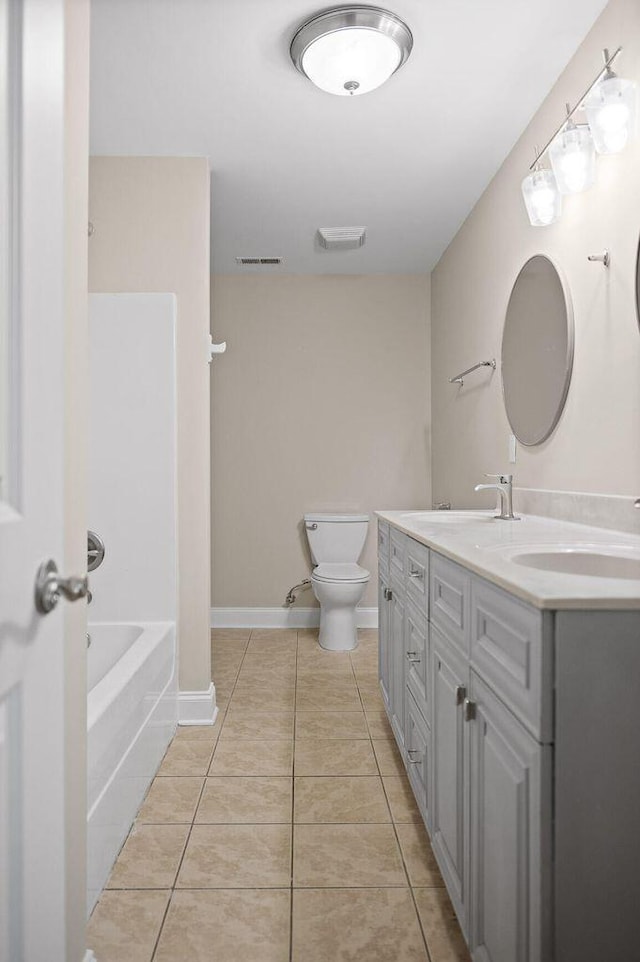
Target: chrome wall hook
604,258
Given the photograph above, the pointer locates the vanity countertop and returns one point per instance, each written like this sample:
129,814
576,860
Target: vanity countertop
483,546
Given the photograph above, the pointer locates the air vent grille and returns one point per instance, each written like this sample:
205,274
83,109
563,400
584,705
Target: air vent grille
252,261
342,238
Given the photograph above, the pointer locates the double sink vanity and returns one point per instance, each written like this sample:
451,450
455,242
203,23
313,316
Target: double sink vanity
510,668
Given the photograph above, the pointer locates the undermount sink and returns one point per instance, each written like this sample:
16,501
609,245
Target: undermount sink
427,518
590,560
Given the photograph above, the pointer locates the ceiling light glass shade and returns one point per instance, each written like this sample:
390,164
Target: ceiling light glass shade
542,198
573,159
611,112
351,50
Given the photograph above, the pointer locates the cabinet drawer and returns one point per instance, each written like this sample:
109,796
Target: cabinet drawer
449,604
417,657
417,562
510,649
418,755
383,546
397,553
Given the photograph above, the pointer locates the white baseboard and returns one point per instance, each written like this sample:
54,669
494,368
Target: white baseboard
197,707
281,617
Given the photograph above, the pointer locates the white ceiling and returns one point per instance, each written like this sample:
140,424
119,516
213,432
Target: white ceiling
408,161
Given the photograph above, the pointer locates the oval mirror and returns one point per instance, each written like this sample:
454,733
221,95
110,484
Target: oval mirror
638,284
537,350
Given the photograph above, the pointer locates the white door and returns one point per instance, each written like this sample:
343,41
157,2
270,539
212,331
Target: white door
32,876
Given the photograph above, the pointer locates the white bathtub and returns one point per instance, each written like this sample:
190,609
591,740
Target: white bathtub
131,717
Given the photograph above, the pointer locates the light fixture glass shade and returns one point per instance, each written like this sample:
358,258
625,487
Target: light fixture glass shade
542,198
351,50
573,159
611,112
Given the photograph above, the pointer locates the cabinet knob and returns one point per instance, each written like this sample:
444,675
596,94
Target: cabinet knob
413,657
416,573
461,693
388,593
469,709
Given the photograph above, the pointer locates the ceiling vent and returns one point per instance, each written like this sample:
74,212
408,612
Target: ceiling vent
341,238
258,261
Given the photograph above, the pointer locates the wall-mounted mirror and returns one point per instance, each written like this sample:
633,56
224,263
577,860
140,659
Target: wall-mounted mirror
537,350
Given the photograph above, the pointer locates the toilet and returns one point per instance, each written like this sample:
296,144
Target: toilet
336,542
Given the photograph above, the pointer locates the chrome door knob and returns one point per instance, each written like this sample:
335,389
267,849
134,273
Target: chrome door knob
49,587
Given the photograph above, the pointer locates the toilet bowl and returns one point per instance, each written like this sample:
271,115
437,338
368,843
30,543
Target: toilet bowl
338,581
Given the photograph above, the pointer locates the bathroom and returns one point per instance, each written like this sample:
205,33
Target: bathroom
337,709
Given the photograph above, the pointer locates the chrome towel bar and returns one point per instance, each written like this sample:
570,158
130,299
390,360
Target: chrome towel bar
458,379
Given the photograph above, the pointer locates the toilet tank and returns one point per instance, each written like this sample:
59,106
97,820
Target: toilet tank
336,538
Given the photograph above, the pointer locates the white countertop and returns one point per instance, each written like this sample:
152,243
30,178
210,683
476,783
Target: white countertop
474,544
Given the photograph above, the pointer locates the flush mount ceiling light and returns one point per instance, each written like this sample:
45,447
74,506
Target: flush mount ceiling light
351,50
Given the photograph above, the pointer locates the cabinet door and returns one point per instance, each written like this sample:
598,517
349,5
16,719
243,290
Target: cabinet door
416,653
418,746
510,819
449,679
397,660
384,673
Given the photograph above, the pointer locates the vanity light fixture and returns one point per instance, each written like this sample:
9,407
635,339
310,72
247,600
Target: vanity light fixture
611,111
542,198
352,49
573,157
610,107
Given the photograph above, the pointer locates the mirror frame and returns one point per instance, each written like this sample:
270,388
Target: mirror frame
569,355
638,284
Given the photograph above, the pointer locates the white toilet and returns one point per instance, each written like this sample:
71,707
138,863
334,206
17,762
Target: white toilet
336,542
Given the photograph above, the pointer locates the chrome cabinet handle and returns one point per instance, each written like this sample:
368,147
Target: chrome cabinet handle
388,594
416,574
414,761
414,657
469,709
49,587
461,692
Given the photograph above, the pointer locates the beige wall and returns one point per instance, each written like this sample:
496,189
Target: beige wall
321,403
151,219
76,170
595,446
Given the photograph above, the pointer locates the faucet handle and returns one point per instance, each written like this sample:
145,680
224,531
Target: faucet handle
502,478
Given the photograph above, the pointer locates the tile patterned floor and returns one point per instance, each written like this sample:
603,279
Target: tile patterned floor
288,832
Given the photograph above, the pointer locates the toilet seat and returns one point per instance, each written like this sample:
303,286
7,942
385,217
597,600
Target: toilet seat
340,572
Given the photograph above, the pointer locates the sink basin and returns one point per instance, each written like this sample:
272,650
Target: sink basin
590,560
427,518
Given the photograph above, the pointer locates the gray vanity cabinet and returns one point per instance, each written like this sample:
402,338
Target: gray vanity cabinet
509,834
449,672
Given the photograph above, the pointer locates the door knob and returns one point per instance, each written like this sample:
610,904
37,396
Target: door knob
49,587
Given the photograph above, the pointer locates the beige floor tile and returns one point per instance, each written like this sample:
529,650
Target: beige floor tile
187,756
231,926
372,700
230,635
346,798
356,925
263,699
325,678
226,800
125,925
334,757
307,635
367,677
388,757
328,698
418,855
237,856
364,658
200,733
257,660
256,681
328,724
367,636
228,662
276,643
150,857
252,757
275,635
401,799
243,725
346,855
440,925
378,724
261,677
171,800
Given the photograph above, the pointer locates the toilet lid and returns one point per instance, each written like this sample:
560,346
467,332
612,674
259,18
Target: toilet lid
329,571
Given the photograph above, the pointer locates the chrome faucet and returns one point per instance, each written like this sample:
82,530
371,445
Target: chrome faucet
504,487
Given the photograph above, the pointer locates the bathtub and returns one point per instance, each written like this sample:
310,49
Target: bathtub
131,717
